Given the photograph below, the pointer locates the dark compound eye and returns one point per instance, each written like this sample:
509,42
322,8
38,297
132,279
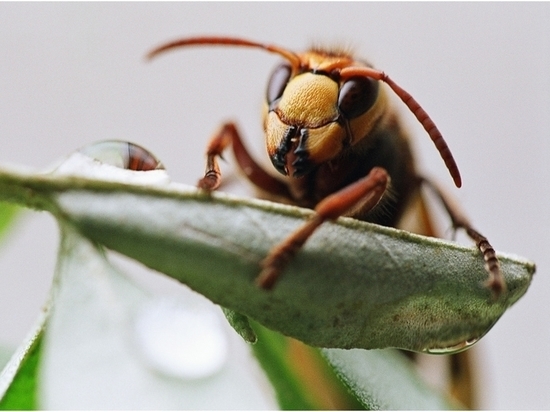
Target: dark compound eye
356,96
278,81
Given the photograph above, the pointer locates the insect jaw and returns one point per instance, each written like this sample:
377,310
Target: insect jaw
291,156
295,148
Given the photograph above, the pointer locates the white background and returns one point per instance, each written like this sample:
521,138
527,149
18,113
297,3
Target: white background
71,74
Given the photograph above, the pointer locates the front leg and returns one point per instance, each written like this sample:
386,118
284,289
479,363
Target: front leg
228,135
365,193
495,282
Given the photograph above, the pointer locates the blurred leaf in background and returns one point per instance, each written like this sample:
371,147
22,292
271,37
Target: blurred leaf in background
8,215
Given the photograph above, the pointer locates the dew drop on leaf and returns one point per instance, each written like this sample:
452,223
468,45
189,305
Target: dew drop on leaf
122,154
114,160
459,347
181,341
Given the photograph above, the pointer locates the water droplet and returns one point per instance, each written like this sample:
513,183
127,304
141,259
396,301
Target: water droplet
183,341
115,160
122,154
459,347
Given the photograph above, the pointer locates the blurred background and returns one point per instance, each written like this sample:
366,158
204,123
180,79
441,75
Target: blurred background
74,73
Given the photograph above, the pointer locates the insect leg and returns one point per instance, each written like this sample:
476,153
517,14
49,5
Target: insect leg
228,135
216,146
495,282
365,193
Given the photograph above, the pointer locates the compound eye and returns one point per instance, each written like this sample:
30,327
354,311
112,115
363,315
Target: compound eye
277,82
356,96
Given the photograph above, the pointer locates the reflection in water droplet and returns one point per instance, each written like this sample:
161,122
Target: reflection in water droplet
122,154
179,341
459,347
116,161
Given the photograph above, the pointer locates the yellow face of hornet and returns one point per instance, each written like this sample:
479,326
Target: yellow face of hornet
312,116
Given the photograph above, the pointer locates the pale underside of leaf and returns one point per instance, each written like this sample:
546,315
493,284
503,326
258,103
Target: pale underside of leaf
92,358
383,380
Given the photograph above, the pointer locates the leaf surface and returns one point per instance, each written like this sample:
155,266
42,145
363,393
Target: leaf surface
354,284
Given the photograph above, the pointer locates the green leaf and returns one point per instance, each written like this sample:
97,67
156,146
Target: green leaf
98,353
18,379
384,379
271,351
301,377
241,325
8,213
22,393
354,285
